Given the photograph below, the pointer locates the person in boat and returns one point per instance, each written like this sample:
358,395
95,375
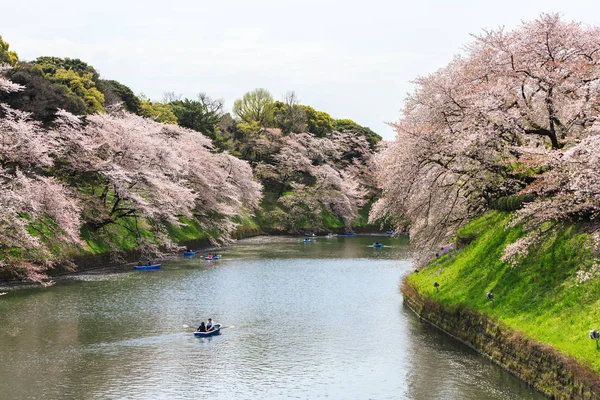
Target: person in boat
376,244
202,327
210,255
140,263
210,326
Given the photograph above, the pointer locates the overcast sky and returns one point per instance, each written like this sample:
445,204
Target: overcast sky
352,59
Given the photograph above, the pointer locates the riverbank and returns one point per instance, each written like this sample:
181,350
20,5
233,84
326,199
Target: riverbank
542,310
541,366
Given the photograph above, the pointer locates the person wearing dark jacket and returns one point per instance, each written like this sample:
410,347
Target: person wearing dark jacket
202,327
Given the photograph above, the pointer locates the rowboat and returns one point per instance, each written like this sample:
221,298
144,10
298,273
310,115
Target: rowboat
216,331
189,253
377,245
146,267
349,234
307,240
211,258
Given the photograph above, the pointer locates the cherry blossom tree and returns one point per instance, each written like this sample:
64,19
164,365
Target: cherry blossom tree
134,167
36,212
102,169
315,174
513,115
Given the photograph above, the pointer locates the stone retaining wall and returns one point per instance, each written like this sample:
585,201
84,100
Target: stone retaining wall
552,373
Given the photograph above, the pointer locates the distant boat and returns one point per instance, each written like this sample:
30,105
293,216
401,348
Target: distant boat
189,253
310,235
307,240
214,332
331,235
390,233
146,267
377,245
211,258
349,234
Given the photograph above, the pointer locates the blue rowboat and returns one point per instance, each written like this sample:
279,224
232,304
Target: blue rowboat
216,331
307,240
146,267
349,234
217,257
189,253
390,233
310,235
377,245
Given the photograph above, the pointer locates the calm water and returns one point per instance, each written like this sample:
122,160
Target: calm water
318,320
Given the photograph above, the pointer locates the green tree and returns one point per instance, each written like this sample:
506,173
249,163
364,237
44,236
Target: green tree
77,76
157,111
50,65
81,85
318,123
202,115
7,56
255,106
40,97
289,115
115,92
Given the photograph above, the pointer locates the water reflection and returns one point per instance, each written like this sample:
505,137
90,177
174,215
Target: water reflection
321,320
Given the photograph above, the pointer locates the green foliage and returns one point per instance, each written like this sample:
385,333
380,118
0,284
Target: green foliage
351,126
318,123
511,203
83,86
158,111
7,56
541,297
77,77
115,92
255,107
40,97
289,116
202,115
51,65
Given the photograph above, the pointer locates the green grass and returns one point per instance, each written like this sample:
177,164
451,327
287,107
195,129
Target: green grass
540,297
119,235
190,230
247,228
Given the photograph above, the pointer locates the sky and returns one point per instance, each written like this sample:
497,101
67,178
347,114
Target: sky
352,59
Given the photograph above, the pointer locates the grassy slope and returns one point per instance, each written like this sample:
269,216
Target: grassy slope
540,297
120,235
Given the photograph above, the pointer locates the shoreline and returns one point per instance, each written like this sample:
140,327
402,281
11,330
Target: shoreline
93,264
550,372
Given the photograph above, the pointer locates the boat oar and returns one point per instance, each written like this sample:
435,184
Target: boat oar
222,327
